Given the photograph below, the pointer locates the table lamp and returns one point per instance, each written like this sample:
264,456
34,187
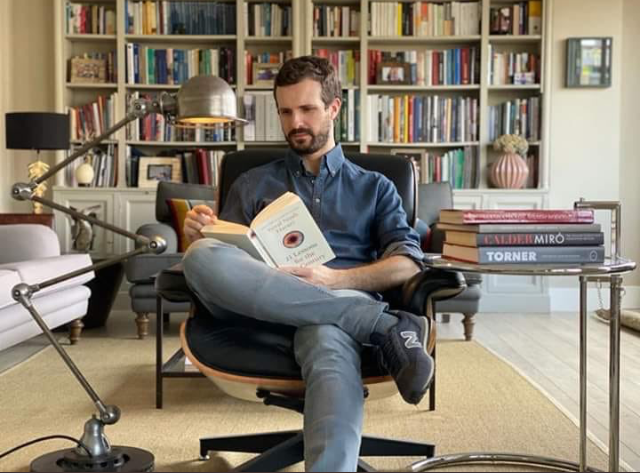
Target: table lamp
37,131
202,101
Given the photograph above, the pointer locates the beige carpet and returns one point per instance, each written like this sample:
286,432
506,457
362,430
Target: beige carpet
483,404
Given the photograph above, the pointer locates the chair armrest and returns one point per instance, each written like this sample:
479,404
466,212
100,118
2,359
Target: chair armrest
162,230
429,286
143,268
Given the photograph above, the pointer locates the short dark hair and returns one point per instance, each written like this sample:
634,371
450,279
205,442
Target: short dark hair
319,69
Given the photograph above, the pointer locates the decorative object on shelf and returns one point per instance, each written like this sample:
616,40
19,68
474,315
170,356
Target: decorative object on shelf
85,173
152,170
201,101
393,73
82,234
588,62
265,73
85,70
37,131
510,170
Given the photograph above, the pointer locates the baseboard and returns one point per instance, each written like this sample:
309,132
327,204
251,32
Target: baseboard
532,303
568,298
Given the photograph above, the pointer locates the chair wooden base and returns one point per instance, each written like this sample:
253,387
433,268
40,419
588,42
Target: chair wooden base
278,450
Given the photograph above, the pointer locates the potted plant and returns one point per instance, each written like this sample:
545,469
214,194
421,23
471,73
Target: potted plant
510,170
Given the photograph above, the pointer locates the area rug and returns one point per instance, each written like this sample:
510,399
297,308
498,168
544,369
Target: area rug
482,405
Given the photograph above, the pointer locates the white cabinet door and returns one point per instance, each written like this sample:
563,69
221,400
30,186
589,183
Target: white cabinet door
135,208
80,199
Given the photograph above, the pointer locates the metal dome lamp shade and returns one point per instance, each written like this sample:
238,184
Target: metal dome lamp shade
203,101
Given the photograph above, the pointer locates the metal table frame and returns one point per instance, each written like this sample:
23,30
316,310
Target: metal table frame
611,271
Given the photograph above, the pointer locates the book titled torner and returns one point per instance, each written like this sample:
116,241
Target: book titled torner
524,239
525,254
516,216
282,234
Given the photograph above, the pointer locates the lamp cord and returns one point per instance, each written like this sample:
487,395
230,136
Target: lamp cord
42,439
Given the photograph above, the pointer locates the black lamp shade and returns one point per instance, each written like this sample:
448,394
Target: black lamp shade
37,130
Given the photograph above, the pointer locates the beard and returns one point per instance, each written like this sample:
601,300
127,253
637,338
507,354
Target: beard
316,142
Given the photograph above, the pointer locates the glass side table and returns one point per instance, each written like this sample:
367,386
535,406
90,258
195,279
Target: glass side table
610,271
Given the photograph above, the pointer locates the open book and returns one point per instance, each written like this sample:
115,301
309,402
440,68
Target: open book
282,234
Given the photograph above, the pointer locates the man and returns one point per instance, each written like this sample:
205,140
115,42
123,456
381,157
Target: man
332,306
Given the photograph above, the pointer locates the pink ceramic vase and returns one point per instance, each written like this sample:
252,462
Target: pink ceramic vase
510,171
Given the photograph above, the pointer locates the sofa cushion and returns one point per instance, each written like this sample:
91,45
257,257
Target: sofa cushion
179,209
8,279
40,270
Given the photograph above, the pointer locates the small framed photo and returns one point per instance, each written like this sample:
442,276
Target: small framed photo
588,62
155,169
418,157
265,73
393,73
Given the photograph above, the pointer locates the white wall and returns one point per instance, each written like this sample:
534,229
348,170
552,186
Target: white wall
27,75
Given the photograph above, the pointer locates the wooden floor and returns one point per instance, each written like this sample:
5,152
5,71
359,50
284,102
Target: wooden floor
544,348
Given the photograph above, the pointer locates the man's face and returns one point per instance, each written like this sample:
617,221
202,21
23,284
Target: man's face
306,123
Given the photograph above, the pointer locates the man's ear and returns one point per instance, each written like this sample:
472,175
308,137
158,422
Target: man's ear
335,107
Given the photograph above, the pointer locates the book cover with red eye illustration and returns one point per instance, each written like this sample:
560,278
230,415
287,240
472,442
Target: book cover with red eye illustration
283,234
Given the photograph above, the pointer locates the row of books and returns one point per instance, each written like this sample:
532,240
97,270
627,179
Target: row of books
425,18
180,17
155,128
459,167
520,116
103,161
522,236
260,111
90,19
345,62
520,18
422,118
334,20
268,19
513,68
346,126
454,66
92,119
147,65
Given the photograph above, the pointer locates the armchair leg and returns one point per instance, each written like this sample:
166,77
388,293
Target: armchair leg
142,321
468,321
75,329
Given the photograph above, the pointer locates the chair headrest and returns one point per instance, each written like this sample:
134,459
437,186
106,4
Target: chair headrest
398,169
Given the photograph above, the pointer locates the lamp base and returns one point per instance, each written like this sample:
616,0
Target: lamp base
118,459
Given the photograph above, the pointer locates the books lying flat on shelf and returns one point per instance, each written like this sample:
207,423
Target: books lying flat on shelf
525,254
516,216
521,227
555,238
282,234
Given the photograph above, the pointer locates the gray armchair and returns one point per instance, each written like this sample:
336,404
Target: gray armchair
142,270
431,199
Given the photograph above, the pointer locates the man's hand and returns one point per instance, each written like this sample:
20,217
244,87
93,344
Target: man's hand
197,218
317,275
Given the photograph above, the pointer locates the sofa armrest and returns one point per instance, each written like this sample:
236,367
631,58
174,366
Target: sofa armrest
24,242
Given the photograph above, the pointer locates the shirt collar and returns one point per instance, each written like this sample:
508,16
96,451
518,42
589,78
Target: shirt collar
333,160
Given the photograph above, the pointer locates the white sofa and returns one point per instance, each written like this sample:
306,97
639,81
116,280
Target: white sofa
30,253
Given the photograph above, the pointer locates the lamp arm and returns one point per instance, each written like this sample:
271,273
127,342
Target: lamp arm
164,104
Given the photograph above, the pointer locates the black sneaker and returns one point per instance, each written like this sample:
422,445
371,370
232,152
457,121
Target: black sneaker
404,354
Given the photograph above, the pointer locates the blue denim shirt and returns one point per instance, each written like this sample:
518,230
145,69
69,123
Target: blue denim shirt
359,212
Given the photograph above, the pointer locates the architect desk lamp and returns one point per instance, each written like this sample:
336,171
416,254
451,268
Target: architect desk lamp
203,101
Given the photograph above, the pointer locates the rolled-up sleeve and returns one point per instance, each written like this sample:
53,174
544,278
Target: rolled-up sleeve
394,235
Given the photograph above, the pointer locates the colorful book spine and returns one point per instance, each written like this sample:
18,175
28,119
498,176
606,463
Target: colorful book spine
539,239
525,216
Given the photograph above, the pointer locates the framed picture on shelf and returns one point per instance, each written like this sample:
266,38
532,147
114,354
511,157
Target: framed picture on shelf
152,170
87,71
393,73
265,73
418,157
588,62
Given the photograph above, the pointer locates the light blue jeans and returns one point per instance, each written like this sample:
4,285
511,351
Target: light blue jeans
332,327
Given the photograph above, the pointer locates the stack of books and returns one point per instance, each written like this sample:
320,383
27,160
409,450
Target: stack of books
522,236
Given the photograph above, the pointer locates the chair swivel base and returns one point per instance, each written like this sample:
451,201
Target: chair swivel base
278,450
480,458
120,459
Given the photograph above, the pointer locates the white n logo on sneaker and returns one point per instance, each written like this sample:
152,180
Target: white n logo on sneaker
411,339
